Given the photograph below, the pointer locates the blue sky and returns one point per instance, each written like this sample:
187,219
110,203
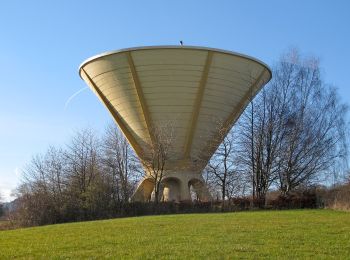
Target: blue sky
42,44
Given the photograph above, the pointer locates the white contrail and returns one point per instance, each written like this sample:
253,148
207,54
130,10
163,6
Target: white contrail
73,96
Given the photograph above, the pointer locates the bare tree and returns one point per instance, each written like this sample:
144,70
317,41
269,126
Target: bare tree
211,184
120,164
88,179
84,173
221,167
45,175
41,195
54,169
258,144
158,156
293,131
63,184
82,157
314,124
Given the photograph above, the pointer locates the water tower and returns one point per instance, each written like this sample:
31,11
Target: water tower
201,91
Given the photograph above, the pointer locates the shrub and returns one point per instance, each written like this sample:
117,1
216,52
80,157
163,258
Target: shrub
337,197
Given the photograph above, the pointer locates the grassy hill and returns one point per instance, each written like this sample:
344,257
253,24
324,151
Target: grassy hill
269,234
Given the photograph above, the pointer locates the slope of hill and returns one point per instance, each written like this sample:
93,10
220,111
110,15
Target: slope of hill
270,234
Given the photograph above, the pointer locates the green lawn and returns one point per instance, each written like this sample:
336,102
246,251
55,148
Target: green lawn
261,234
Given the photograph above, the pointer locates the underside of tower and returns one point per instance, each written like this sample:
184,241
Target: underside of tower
190,96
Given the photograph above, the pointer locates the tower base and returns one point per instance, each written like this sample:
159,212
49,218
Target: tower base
177,187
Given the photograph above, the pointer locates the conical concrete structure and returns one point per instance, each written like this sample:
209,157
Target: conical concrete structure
200,91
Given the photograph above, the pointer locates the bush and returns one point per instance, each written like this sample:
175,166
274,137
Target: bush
303,200
337,197
29,212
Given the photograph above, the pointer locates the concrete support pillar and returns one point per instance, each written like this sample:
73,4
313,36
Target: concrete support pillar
185,192
171,190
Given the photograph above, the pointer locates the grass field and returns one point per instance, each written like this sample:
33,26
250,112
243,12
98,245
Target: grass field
260,234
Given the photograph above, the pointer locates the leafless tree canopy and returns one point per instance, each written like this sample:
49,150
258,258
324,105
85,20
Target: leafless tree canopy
88,179
159,151
119,164
222,173
290,135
